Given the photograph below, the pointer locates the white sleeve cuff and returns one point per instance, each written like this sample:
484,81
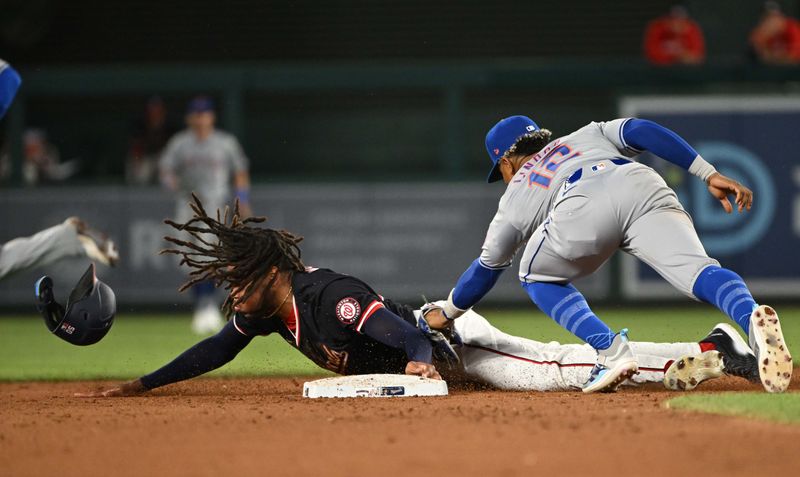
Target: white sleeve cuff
451,311
701,168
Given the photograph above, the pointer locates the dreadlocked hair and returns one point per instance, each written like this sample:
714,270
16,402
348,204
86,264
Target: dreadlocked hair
530,143
238,256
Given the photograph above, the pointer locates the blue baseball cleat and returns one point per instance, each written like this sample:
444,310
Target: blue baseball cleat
614,365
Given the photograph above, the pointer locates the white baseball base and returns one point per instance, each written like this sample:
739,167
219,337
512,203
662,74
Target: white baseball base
374,385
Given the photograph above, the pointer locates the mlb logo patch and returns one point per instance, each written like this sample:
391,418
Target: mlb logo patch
599,167
496,151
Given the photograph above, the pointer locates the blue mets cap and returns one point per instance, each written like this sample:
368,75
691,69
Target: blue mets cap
200,104
502,136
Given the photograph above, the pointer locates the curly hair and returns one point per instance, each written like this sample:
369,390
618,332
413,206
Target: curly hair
530,143
237,256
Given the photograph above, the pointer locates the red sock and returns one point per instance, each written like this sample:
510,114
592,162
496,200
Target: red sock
704,346
669,363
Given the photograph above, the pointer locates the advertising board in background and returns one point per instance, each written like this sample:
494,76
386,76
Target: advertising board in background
753,139
405,239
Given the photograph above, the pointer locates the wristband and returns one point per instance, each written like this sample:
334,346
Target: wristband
701,168
450,310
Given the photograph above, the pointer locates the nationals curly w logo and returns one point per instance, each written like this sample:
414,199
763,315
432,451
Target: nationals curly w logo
348,310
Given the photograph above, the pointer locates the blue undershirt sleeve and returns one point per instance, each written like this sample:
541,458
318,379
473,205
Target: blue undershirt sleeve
645,135
205,356
391,330
9,84
474,284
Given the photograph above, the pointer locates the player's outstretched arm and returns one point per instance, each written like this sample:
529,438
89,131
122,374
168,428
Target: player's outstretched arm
205,356
472,285
641,135
391,330
501,243
721,187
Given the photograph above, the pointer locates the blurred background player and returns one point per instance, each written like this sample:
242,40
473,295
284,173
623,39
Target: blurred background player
206,161
43,163
71,238
776,38
41,158
151,133
674,39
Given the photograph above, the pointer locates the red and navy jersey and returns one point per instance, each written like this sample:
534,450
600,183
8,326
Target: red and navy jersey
329,310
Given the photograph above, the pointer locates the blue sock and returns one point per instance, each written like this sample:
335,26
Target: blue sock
567,306
726,290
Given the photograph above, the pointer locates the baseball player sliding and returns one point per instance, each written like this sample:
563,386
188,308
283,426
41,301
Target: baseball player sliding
345,326
577,199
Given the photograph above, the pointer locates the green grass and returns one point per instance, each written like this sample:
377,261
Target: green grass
135,346
138,344
774,407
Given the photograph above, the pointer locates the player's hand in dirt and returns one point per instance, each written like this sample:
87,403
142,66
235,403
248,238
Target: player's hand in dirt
721,187
129,388
425,370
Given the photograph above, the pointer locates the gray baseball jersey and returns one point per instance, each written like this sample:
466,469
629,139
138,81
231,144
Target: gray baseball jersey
204,167
579,200
530,193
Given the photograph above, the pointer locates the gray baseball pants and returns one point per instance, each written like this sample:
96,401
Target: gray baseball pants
40,249
611,207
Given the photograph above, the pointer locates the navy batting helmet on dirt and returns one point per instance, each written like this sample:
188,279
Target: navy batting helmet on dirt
90,309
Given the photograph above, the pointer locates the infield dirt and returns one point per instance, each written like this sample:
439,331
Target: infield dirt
249,427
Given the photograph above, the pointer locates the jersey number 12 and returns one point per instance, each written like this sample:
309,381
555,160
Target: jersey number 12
542,172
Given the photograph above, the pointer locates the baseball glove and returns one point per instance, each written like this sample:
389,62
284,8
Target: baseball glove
443,350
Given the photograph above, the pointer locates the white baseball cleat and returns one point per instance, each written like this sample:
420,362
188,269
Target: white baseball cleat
96,244
737,357
614,366
687,372
774,359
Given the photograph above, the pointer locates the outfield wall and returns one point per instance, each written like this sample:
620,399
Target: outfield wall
405,239
753,139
